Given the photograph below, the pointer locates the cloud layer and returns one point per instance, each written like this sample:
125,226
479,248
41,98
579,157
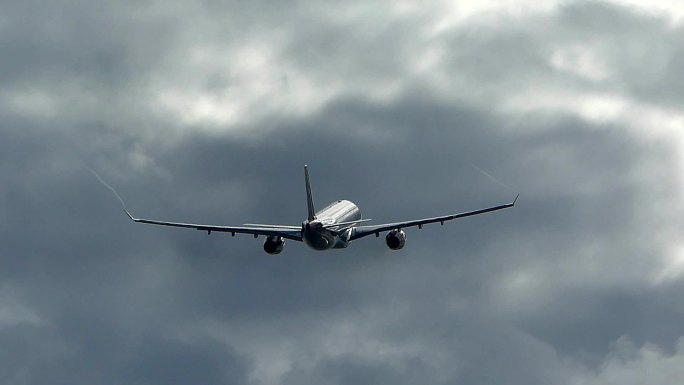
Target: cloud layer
206,112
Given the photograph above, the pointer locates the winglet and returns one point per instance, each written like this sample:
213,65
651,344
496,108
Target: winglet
129,215
515,200
309,195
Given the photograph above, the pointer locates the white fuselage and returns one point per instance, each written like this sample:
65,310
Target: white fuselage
320,232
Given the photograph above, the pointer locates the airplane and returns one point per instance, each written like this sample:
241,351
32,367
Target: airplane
334,227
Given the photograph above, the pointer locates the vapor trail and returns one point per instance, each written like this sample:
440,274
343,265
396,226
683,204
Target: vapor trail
106,185
485,173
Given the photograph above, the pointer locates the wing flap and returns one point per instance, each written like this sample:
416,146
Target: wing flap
362,231
289,233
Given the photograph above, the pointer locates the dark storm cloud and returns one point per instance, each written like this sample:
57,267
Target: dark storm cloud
238,290
347,370
639,48
532,295
80,44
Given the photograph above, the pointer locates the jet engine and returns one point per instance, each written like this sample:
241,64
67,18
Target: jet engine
274,244
395,239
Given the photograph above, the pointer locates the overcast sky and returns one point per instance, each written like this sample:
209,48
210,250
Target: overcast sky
206,111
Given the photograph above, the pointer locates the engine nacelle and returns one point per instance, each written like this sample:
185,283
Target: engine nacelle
274,244
395,239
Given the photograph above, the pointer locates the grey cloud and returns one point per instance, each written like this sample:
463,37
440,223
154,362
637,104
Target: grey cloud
628,364
143,276
345,370
119,302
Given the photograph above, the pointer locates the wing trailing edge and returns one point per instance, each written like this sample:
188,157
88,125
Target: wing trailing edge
289,232
362,231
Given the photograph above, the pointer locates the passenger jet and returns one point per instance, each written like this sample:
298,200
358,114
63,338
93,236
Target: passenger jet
334,227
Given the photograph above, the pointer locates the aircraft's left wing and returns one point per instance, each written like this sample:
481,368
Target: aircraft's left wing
362,231
289,232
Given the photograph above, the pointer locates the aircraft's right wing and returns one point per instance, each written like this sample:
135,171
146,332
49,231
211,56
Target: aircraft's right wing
289,232
362,231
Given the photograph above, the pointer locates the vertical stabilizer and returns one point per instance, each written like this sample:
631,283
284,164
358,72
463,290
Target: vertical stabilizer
309,196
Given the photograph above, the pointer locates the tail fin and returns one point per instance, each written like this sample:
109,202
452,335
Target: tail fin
309,196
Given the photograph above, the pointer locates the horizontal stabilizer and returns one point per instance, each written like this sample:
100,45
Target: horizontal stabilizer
273,226
350,223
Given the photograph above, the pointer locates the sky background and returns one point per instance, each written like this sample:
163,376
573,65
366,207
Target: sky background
206,111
